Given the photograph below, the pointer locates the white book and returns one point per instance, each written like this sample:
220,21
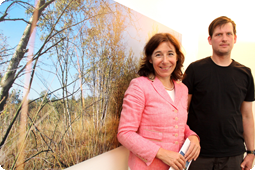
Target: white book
182,151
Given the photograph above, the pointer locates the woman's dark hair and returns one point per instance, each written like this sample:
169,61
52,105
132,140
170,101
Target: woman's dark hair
146,68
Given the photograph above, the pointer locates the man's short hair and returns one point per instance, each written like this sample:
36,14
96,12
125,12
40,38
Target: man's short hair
219,22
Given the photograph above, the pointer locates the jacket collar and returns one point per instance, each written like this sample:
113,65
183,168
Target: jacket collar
159,87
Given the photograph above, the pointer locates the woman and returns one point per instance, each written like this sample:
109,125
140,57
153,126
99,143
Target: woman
154,115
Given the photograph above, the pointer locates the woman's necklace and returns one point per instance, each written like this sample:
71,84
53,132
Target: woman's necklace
170,89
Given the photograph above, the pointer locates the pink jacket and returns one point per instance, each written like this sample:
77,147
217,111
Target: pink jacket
150,120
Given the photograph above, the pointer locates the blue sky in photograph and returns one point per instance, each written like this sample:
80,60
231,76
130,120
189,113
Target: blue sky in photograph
13,30
43,79
9,29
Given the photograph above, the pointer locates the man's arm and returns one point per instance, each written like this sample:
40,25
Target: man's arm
248,128
189,100
194,149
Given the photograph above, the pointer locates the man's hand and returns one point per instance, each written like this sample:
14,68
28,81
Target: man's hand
247,162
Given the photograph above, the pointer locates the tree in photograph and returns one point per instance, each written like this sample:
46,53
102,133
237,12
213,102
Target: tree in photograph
83,45
10,74
51,37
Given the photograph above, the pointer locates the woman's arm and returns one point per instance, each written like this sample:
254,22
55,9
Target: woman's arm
171,158
131,115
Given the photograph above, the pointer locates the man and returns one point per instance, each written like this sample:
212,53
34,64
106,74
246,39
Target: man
221,92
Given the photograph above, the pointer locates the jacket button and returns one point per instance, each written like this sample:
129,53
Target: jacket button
176,126
176,135
176,118
176,142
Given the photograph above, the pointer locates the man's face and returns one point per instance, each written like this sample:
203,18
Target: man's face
222,40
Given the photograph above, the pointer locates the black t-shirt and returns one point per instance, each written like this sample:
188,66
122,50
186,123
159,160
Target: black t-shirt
214,114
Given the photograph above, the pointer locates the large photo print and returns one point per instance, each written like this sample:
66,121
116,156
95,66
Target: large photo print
63,80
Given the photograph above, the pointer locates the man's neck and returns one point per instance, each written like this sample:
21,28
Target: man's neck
222,60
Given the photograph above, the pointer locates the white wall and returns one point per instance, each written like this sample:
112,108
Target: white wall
191,19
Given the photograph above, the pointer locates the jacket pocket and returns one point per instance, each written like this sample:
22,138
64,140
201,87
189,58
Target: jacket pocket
151,134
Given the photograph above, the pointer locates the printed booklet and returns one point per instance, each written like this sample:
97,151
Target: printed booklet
183,150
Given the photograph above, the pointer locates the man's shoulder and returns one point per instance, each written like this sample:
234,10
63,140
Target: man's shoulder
201,62
236,63
240,66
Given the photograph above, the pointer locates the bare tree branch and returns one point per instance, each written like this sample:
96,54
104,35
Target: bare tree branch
8,78
38,54
2,18
17,19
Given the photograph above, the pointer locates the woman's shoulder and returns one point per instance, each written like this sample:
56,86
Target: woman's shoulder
141,79
181,85
140,83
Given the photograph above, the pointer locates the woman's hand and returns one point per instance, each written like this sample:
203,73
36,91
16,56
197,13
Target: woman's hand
173,159
194,148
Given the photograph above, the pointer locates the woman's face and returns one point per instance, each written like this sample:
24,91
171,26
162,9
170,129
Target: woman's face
164,60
